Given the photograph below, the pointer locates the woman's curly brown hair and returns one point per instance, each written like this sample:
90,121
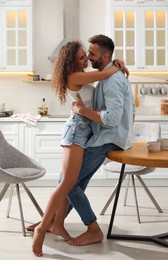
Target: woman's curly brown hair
65,64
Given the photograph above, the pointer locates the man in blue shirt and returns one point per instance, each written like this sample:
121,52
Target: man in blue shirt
112,120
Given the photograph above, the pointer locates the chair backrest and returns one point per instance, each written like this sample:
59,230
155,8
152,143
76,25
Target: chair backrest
10,157
143,131
3,144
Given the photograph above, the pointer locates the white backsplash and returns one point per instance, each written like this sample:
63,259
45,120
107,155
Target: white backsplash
26,97
149,104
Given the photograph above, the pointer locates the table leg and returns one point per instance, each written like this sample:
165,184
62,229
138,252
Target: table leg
158,239
116,201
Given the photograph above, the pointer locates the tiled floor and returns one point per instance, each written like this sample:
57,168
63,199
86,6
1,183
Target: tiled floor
14,246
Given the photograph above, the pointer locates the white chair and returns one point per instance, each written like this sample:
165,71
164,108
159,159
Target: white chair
141,132
17,168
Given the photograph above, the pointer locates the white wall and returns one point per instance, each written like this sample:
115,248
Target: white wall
48,32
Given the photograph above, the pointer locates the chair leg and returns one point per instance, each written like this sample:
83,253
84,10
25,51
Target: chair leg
21,210
110,198
10,201
4,190
126,189
33,199
136,200
149,194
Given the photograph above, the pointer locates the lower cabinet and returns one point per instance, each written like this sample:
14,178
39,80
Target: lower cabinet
47,149
42,143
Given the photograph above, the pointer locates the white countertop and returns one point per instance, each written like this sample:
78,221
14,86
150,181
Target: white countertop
63,118
57,118
151,117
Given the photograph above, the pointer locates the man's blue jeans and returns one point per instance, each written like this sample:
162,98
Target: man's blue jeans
93,159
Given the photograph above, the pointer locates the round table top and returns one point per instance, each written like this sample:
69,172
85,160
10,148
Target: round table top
139,155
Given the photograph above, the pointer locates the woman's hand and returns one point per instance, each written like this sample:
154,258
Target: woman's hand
121,65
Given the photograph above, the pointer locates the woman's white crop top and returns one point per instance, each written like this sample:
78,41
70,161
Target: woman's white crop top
86,94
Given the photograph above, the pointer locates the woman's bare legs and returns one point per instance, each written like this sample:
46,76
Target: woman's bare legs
58,221
57,226
72,161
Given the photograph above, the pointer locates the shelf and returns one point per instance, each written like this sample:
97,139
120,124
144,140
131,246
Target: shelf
149,82
37,81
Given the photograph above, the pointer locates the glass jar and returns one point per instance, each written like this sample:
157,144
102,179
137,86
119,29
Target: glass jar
164,107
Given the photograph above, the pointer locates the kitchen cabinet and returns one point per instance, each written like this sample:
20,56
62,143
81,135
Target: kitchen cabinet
42,143
47,150
16,35
140,32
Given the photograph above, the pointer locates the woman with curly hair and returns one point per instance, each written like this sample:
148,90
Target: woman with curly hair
69,78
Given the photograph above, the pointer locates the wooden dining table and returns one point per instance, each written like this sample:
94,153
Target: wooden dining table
138,154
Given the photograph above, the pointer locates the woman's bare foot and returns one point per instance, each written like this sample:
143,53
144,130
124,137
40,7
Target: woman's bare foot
54,229
91,236
38,239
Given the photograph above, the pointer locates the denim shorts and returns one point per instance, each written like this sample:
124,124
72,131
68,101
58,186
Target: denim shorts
77,130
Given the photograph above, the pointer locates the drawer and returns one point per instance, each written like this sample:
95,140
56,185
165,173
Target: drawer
49,128
48,144
51,162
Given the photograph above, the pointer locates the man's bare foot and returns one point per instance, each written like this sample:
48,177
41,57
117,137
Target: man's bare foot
60,231
32,227
38,239
87,238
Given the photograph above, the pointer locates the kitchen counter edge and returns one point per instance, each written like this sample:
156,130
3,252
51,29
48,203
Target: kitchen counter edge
64,118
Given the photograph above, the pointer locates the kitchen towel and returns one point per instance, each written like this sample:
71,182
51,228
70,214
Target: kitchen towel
27,118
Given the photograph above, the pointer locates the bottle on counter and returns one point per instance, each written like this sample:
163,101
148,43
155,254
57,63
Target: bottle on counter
43,108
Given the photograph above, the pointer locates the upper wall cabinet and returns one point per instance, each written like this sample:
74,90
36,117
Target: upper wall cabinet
16,35
140,32
16,2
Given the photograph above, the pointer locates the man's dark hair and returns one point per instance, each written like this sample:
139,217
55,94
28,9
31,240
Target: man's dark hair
106,44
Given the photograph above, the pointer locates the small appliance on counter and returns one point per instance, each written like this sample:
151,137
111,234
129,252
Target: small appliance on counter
6,113
3,112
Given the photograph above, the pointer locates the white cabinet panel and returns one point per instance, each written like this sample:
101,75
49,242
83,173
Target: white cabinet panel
47,149
11,133
9,128
52,164
48,144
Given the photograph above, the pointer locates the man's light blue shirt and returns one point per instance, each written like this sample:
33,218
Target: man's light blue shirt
113,97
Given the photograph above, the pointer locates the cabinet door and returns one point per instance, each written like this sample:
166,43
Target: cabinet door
11,133
123,30
47,149
16,38
154,32
140,33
